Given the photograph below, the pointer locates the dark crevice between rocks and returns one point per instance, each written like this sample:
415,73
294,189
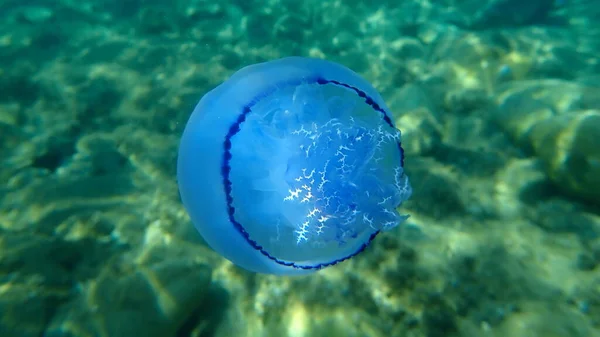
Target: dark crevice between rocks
99,98
59,151
560,216
475,162
435,195
439,318
488,286
19,86
204,321
538,191
406,274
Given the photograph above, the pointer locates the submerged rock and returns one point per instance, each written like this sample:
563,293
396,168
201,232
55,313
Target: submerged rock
568,146
36,14
553,121
133,300
507,13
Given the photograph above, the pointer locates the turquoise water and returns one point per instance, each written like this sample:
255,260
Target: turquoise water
498,104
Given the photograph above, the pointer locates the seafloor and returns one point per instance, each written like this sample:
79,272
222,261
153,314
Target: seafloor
500,113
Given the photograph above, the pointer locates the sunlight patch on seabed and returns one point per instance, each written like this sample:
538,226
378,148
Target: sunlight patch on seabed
156,234
516,177
298,321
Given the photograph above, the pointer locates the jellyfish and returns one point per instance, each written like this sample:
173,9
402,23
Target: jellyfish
291,166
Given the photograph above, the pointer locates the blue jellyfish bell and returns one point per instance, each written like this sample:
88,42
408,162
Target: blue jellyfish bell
291,166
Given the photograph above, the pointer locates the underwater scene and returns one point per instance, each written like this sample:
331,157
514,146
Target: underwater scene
299,168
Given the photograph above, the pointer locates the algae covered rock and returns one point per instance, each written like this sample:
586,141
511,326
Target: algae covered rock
569,146
412,108
555,121
518,113
130,300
